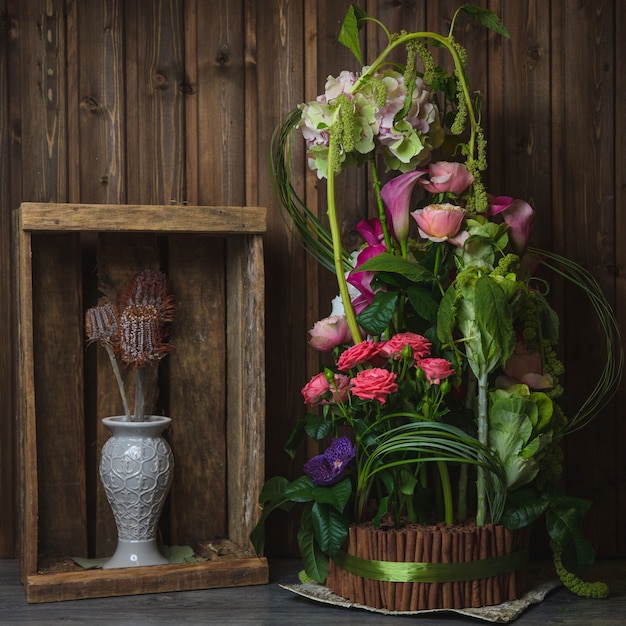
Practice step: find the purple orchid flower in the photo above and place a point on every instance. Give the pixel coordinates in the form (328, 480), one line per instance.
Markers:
(328, 468)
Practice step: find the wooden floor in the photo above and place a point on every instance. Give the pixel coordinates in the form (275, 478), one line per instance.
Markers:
(271, 604)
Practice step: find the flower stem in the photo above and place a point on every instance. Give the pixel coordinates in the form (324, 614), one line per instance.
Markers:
(446, 489)
(483, 437)
(337, 247)
(140, 409)
(118, 378)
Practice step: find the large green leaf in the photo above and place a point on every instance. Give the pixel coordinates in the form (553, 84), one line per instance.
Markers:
(446, 317)
(314, 560)
(336, 495)
(387, 262)
(317, 426)
(565, 527)
(378, 314)
(300, 490)
(331, 527)
(424, 303)
(523, 507)
(493, 314)
(486, 18)
(273, 489)
(349, 33)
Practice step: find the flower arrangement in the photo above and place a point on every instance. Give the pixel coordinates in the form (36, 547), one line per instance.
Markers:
(135, 330)
(442, 401)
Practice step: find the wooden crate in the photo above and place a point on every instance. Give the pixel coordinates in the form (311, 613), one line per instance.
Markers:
(70, 257)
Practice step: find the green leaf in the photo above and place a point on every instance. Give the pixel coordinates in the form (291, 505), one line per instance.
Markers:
(315, 562)
(336, 495)
(423, 302)
(349, 33)
(565, 527)
(273, 489)
(486, 18)
(388, 262)
(331, 527)
(296, 439)
(317, 426)
(300, 490)
(445, 317)
(378, 314)
(383, 507)
(523, 507)
(493, 313)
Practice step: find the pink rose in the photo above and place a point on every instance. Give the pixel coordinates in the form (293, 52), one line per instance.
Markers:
(392, 348)
(439, 222)
(436, 370)
(374, 384)
(361, 352)
(447, 177)
(315, 389)
(525, 366)
(320, 391)
(330, 332)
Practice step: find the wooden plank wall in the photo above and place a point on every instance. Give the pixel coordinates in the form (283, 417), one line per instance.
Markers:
(175, 102)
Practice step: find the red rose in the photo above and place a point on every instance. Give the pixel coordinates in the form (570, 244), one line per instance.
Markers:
(393, 348)
(374, 384)
(359, 353)
(436, 370)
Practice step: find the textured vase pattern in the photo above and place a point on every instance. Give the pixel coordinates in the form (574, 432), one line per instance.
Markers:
(136, 469)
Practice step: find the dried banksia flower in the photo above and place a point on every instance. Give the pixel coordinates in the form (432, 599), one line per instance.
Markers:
(101, 323)
(150, 287)
(142, 337)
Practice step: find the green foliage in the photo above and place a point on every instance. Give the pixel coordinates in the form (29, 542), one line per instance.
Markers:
(349, 33)
(486, 18)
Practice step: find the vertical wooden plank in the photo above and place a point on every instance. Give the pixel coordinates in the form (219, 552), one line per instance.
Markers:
(245, 339)
(154, 97)
(58, 358)
(198, 391)
(620, 254)
(56, 283)
(280, 49)
(585, 165)
(517, 111)
(25, 408)
(8, 458)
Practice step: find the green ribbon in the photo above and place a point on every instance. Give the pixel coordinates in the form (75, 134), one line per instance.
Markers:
(399, 572)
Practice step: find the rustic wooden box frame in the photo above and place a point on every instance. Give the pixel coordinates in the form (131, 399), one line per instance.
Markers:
(242, 228)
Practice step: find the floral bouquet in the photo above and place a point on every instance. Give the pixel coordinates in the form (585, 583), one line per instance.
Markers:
(442, 402)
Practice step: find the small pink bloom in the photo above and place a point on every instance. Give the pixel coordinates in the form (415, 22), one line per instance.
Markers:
(339, 389)
(439, 222)
(314, 391)
(374, 384)
(392, 348)
(436, 370)
(330, 332)
(362, 280)
(357, 354)
(525, 366)
(447, 177)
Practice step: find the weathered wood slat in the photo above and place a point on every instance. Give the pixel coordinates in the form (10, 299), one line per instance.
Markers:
(142, 218)
(58, 586)
(198, 393)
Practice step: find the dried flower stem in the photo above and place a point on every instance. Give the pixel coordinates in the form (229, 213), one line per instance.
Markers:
(118, 378)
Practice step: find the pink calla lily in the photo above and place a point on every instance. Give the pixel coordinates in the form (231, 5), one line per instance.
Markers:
(371, 230)
(396, 195)
(518, 215)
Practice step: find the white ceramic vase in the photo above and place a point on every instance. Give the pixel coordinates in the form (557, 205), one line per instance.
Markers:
(136, 469)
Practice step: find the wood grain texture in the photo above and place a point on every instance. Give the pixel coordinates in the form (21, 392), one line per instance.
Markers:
(176, 102)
